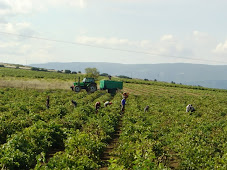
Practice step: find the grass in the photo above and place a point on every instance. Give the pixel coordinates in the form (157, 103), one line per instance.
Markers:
(35, 83)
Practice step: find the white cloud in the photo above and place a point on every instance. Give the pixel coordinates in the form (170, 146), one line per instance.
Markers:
(168, 48)
(221, 49)
(136, 1)
(104, 41)
(8, 44)
(8, 31)
(168, 45)
(168, 37)
(15, 27)
(199, 34)
(15, 7)
(201, 44)
(26, 52)
(69, 3)
(201, 37)
(15, 49)
(197, 48)
(40, 56)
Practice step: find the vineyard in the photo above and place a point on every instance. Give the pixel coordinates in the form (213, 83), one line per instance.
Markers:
(67, 137)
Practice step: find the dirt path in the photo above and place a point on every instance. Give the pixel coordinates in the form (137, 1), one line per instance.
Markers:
(107, 152)
(51, 153)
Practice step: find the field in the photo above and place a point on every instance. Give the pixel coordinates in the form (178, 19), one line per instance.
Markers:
(67, 137)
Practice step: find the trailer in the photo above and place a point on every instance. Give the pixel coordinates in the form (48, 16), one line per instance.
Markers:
(111, 86)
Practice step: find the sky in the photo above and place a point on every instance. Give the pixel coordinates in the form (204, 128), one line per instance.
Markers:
(117, 31)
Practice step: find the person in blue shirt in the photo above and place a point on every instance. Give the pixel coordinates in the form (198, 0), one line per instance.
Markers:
(123, 102)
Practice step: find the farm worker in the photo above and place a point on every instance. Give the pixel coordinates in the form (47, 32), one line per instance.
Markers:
(107, 103)
(123, 102)
(125, 95)
(48, 102)
(146, 109)
(109, 77)
(74, 103)
(72, 87)
(97, 106)
(190, 108)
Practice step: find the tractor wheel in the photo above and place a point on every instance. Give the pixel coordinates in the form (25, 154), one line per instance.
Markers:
(92, 88)
(77, 88)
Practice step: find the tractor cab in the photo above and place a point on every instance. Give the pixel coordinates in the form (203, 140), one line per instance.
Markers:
(88, 80)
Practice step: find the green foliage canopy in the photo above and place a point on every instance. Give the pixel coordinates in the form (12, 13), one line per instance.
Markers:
(92, 72)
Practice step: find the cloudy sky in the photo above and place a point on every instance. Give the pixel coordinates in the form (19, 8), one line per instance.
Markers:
(119, 31)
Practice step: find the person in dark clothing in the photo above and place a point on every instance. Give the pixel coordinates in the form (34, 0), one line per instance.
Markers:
(97, 106)
(146, 109)
(74, 103)
(48, 102)
(72, 87)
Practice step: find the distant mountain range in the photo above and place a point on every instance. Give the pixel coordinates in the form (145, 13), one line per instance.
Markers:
(213, 76)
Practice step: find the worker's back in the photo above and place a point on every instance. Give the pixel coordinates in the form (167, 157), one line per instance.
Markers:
(107, 103)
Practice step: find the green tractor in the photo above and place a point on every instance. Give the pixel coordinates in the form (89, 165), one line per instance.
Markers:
(88, 84)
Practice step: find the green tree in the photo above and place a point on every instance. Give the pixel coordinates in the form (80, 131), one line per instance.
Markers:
(125, 77)
(35, 69)
(92, 72)
(68, 71)
(104, 74)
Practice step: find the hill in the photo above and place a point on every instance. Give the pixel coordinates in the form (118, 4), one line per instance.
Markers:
(213, 76)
